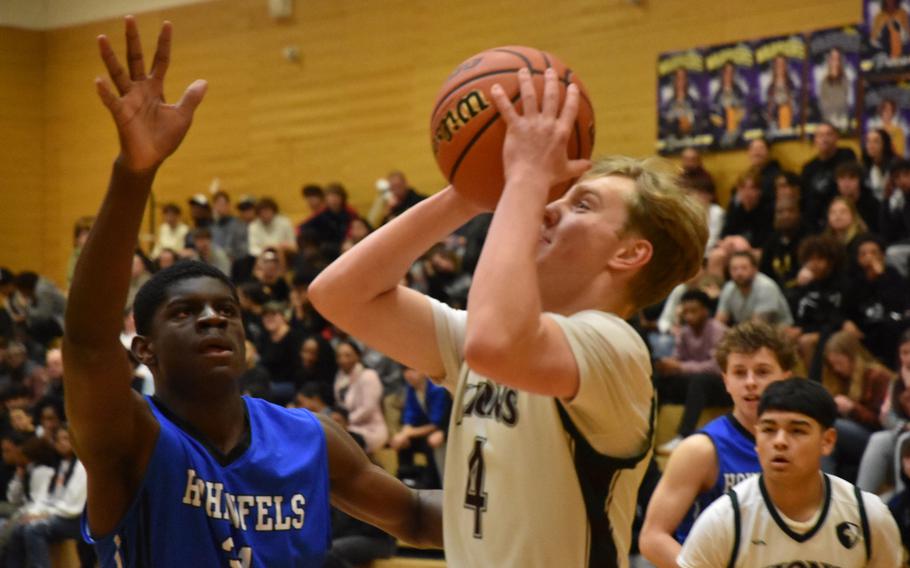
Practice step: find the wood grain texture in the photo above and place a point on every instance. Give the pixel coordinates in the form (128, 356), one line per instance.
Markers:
(355, 106)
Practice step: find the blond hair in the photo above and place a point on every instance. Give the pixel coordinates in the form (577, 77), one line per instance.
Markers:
(749, 337)
(664, 215)
(846, 343)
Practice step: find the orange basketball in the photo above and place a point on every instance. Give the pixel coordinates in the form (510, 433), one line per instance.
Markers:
(467, 131)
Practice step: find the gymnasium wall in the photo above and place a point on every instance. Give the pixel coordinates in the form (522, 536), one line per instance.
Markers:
(355, 106)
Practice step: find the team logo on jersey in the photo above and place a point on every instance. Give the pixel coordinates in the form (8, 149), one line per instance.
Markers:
(489, 400)
(848, 534)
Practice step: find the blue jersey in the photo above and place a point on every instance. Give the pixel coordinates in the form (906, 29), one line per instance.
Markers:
(266, 506)
(736, 461)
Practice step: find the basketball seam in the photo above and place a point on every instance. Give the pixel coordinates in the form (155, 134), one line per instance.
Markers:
(444, 98)
(474, 139)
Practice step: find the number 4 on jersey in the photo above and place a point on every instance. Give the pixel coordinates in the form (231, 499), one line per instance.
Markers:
(475, 497)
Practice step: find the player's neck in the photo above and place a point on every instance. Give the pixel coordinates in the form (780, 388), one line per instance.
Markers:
(220, 420)
(747, 422)
(797, 498)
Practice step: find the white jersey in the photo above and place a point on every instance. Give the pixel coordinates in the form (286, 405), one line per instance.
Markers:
(744, 529)
(528, 480)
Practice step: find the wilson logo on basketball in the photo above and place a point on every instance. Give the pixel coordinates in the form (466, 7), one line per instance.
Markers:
(460, 115)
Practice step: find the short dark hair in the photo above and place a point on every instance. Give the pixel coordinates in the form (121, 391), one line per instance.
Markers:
(172, 207)
(696, 296)
(26, 281)
(822, 246)
(153, 293)
(312, 190)
(744, 254)
(791, 178)
(311, 389)
(868, 238)
(266, 203)
(802, 396)
(221, 194)
(748, 337)
(202, 233)
(849, 169)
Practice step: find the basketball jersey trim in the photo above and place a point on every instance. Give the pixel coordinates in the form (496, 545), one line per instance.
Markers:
(742, 429)
(783, 525)
(737, 527)
(863, 521)
(597, 474)
(224, 460)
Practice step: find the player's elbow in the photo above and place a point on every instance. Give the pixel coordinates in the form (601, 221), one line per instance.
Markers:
(485, 354)
(652, 544)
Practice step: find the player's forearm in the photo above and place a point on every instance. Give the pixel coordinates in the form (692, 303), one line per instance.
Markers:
(426, 530)
(420, 431)
(377, 264)
(504, 305)
(661, 549)
(94, 312)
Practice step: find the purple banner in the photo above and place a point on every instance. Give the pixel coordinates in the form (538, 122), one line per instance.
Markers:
(781, 61)
(732, 89)
(887, 45)
(886, 106)
(833, 72)
(681, 101)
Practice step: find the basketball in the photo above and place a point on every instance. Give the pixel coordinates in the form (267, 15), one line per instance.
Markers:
(468, 132)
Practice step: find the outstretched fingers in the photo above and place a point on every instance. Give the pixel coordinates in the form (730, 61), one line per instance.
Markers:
(528, 94)
(570, 108)
(550, 93)
(192, 96)
(503, 104)
(134, 58)
(110, 100)
(114, 70)
(162, 53)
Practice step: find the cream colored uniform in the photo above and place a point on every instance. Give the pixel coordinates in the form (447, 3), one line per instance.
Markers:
(513, 496)
(845, 532)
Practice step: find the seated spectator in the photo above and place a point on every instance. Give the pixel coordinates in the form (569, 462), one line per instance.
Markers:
(878, 155)
(208, 252)
(749, 216)
(32, 458)
(359, 391)
(279, 352)
(53, 372)
(662, 335)
(270, 229)
(55, 518)
(255, 381)
(318, 366)
(166, 259)
(693, 170)
(817, 301)
(172, 232)
(141, 271)
(895, 217)
(692, 376)
(17, 370)
(701, 190)
(50, 420)
(424, 423)
(356, 543)
(875, 468)
(81, 230)
(844, 222)
(787, 185)
(751, 295)
(304, 316)
(878, 298)
(228, 232)
(251, 299)
(39, 307)
(315, 199)
(330, 226)
(819, 183)
(242, 267)
(269, 273)
(358, 230)
(779, 258)
(22, 422)
(850, 186)
(445, 282)
(201, 215)
(766, 167)
(858, 384)
(401, 196)
(310, 396)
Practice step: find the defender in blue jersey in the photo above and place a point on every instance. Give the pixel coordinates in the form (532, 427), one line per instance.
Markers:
(751, 355)
(197, 475)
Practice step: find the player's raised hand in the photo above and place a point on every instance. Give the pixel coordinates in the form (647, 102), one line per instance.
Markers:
(537, 139)
(149, 129)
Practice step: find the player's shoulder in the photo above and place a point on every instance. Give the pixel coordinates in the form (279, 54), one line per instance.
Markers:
(845, 491)
(693, 461)
(604, 325)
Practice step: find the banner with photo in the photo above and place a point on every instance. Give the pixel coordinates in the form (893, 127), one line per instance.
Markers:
(887, 45)
(781, 62)
(834, 56)
(681, 102)
(733, 107)
(886, 106)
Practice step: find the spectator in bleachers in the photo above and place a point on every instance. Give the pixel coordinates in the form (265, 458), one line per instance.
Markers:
(878, 298)
(787, 185)
(17, 369)
(330, 226)
(81, 230)
(766, 168)
(858, 384)
(208, 252)
(693, 170)
(270, 229)
(691, 376)
(424, 422)
(357, 231)
(200, 214)
(55, 518)
(819, 184)
(7, 287)
(876, 467)
(359, 391)
(228, 232)
(255, 380)
(844, 222)
(32, 458)
(817, 301)
(401, 196)
(315, 199)
(279, 351)
(704, 193)
(318, 366)
(895, 217)
(50, 419)
(850, 186)
(251, 299)
(749, 216)
(751, 295)
(166, 258)
(242, 268)
(310, 396)
(878, 156)
(779, 258)
(899, 505)
(356, 543)
(172, 231)
(269, 273)
(304, 316)
(445, 282)
(53, 371)
(141, 270)
(39, 307)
